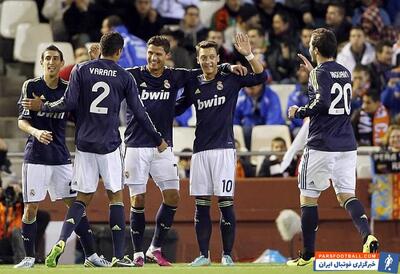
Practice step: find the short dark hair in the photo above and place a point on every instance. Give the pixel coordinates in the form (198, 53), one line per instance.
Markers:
(357, 27)
(284, 16)
(381, 44)
(206, 45)
(110, 43)
(341, 8)
(114, 21)
(160, 41)
(325, 41)
(191, 7)
(279, 139)
(373, 94)
(360, 67)
(53, 48)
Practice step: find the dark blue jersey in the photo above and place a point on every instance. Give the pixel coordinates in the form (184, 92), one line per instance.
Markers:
(55, 153)
(215, 103)
(95, 92)
(329, 109)
(158, 95)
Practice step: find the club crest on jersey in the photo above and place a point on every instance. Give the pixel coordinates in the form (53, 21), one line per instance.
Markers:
(213, 102)
(126, 174)
(220, 86)
(166, 84)
(32, 192)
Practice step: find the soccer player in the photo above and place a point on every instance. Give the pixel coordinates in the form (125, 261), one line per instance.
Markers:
(212, 171)
(331, 151)
(95, 92)
(158, 87)
(47, 164)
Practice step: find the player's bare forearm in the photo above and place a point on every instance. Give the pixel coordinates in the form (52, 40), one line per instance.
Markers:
(43, 136)
(26, 127)
(256, 65)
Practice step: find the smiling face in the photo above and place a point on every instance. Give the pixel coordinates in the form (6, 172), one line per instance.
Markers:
(208, 60)
(51, 63)
(394, 140)
(156, 57)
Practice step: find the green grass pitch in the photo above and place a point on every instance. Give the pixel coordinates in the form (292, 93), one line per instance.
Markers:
(245, 268)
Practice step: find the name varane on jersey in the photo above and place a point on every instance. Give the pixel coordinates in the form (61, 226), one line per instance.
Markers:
(329, 92)
(55, 153)
(215, 103)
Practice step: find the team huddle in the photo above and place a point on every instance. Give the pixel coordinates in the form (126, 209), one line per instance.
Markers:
(92, 99)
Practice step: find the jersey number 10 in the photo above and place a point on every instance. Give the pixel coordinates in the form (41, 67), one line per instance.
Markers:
(106, 90)
(342, 92)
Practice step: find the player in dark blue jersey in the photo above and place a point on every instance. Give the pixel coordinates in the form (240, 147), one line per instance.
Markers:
(95, 92)
(47, 164)
(158, 88)
(214, 95)
(331, 151)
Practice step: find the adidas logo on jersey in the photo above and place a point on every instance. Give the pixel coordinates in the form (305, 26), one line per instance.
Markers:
(116, 227)
(71, 221)
(163, 95)
(216, 101)
(197, 91)
(143, 85)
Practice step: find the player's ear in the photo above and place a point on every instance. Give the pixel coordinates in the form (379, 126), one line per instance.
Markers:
(62, 63)
(217, 58)
(198, 60)
(168, 55)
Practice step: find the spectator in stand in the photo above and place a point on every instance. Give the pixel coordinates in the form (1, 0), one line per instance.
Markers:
(304, 44)
(299, 98)
(392, 139)
(53, 10)
(336, 21)
(257, 105)
(267, 9)
(371, 122)
(179, 56)
(227, 15)
(359, 11)
(357, 51)
(193, 30)
(184, 164)
(361, 84)
(244, 168)
(225, 56)
(172, 11)
(81, 55)
(135, 49)
(81, 22)
(142, 20)
(282, 57)
(5, 163)
(271, 166)
(382, 65)
(391, 94)
(374, 28)
(396, 52)
(393, 9)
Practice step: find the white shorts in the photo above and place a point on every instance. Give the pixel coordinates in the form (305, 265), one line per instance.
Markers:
(88, 167)
(319, 168)
(142, 161)
(37, 180)
(212, 172)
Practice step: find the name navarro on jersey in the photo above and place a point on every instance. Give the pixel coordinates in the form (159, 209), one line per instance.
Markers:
(162, 95)
(54, 115)
(216, 101)
(339, 74)
(103, 72)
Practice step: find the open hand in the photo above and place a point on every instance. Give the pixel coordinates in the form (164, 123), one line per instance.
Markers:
(242, 44)
(43, 136)
(306, 64)
(34, 104)
(239, 70)
(292, 111)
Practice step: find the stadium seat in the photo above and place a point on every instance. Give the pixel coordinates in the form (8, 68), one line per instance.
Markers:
(65, 47)
(183, 137)
(28, 38)
(283, 92)
(364, 162)
(15, 12)
(207, 9)
(261, 139)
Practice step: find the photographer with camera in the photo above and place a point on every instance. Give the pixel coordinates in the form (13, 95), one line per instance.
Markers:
(11, 210)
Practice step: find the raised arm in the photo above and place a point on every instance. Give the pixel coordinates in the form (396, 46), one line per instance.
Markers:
(242, 45)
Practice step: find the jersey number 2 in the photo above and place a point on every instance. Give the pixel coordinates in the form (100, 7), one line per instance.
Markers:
(93, 106)
(342, 92)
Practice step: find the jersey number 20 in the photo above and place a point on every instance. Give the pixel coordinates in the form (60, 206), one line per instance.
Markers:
(106, 90)
(342, 92)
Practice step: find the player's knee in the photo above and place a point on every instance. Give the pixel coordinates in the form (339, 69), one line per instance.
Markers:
(171, 197)
(30, 212)
(69, 201)
(138, 200)
(115, 197)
